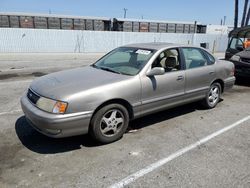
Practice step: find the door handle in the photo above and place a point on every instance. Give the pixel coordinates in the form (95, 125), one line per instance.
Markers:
(180, 78)
(212, 72)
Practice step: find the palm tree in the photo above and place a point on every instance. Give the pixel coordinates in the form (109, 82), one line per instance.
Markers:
(248, 16)
(243, 21)
(236, 10)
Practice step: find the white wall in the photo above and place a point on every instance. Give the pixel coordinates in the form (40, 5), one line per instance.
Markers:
(218, 29)
(40, 40)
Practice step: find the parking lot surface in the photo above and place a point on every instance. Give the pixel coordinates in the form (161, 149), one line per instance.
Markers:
(24, 65)
(29, 159)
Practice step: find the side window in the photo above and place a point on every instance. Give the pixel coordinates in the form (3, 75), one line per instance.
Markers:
(194, 58)
(157, 61)
(169, 60)
(235, 42)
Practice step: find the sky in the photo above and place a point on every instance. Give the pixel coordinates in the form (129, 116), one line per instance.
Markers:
(204, 11)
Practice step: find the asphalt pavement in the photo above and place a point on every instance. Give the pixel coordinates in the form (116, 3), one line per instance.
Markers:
(186, 146)
(22, 65)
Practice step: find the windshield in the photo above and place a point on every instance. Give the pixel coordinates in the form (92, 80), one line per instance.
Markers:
(125, 60)
(236, 42)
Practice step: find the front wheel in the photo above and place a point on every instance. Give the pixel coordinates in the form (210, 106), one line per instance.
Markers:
(109, 123)
(213, 96)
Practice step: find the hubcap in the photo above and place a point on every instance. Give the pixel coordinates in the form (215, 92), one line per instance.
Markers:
(112, 122)
(213, 96)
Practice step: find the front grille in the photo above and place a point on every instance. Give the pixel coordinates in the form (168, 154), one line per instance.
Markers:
(32, 96)
(245, 60)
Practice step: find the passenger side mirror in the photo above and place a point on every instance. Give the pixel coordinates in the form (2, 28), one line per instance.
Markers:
(156, 71)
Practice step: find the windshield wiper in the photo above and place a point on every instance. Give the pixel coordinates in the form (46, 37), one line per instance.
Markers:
(109, 69)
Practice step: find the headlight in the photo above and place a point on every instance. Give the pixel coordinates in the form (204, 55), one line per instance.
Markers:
(52, 106)
(235, 58)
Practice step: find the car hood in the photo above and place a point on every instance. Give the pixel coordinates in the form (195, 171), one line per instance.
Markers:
(61, 85)
(244, 54)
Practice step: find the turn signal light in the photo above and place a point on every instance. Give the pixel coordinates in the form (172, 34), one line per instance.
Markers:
(60, 108)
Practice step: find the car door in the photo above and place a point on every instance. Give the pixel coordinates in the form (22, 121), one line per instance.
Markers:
(199, 72)
(163, 91)
(235, 46)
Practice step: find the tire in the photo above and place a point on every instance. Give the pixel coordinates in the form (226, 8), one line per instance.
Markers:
(212, 96)
(109, 123)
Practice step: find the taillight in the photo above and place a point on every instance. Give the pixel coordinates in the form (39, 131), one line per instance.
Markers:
(232, 71)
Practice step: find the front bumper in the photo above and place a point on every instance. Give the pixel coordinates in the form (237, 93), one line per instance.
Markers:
(55, 125)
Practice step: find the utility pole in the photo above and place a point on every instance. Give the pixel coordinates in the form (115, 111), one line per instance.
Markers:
(125, 12)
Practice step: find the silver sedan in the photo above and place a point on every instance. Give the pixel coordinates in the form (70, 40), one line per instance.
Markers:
(129, 82)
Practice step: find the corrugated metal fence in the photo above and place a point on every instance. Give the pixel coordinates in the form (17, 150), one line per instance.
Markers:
(40, 40)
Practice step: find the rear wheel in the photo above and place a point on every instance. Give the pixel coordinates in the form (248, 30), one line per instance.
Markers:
(109, 123)
(213, 96)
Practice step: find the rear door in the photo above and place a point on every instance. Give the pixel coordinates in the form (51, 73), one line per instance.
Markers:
(200, 72)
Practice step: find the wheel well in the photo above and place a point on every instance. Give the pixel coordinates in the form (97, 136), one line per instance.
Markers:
(123, 102)
(221, 84)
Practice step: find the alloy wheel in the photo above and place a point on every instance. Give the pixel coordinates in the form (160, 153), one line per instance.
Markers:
(112, 122)
(214, 94)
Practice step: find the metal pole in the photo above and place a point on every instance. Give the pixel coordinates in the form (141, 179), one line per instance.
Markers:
(195, 27)
(214, 45)
(224, 21)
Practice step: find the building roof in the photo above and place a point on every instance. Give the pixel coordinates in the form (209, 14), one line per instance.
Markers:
(53, 15)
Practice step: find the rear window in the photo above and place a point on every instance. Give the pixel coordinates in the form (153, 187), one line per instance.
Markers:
(211, 59)
(194, 58)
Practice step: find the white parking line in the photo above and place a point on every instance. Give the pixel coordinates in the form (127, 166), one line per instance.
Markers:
(175, 155)
(10, 112)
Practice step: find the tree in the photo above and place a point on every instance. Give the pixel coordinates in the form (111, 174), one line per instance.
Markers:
(243, 21)
(236, 11)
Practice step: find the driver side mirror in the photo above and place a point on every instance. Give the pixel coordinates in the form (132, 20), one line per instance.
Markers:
(156, 71)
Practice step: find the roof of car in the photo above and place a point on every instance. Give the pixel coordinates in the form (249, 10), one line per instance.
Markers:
(161, 45)
(153, 45)
(242, 32)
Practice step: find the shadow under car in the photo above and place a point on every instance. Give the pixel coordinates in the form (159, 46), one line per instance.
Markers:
(42, 144)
